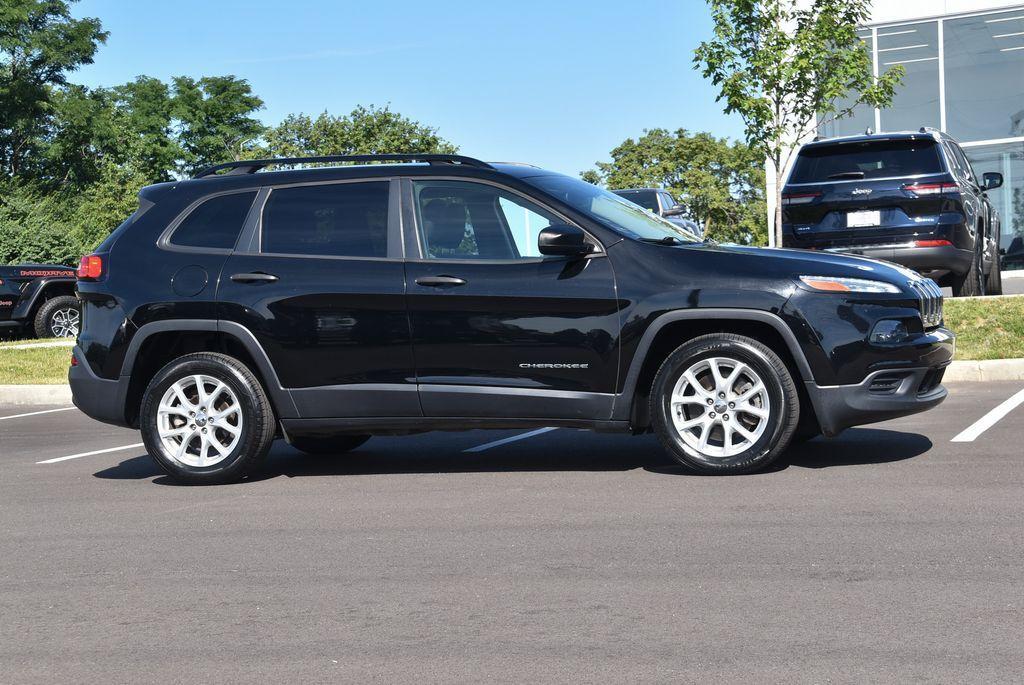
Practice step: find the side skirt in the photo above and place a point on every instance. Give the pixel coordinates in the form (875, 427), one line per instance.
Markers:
(410, 425)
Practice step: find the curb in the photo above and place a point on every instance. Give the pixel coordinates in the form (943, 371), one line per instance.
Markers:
(35, 394)
(988, 370)
(1016, 273)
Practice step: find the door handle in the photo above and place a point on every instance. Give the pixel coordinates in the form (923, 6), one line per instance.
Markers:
(257, 277)
(440, 281)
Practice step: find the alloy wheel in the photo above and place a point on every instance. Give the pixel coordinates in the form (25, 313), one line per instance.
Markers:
(199, 421)
(64, 323)
(720, 407)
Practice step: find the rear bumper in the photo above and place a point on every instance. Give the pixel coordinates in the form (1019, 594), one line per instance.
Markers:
(922, 259)
(98, 398)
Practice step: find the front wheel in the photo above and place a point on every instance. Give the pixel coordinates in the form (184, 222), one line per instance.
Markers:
(206, 419)
(994, 281)
(724, 404)
(972, 283)
(59, 317)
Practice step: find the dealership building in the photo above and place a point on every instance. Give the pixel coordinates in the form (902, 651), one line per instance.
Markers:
(964, 63)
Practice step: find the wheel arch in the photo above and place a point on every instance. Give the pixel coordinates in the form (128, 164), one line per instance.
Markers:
(673, 329)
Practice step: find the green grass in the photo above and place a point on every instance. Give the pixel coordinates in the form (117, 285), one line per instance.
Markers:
(987, 328)
(11, 343)
(45, 365)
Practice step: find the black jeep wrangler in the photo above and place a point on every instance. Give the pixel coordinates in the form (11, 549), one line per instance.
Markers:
(909, 197)
(39, 299)
(330, 304)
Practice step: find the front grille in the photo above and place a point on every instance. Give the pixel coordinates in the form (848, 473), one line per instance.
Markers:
(930, 297)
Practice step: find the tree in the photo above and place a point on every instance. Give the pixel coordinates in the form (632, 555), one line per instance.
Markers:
(364, 131)
(721, 184)
(214, 120)
(782, 65)
(39, 44)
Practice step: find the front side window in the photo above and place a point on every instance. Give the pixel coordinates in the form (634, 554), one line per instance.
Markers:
(459, 220)
(215, 223)
(330, 220)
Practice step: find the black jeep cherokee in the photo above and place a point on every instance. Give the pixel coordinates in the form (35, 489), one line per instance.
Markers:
(910, 198)
(330, 304)
(40, 299)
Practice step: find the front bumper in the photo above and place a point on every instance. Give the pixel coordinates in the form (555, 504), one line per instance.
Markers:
(98, 398)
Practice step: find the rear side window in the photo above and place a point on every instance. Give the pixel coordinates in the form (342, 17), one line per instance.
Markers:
(866, 160)
(337, 220)
(215, 223)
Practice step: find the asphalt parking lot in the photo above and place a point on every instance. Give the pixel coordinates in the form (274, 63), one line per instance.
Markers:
(888, 554)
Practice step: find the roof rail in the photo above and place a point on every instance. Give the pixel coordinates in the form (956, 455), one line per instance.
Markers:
(928, 129)
(251, 166)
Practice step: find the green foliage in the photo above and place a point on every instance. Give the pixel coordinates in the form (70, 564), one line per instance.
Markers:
(364, 131)
(39, 44)
(782, 64)
(721, 184)
(35, 226)
(214, 120)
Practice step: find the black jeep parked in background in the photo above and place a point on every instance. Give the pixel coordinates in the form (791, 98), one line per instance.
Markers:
(910, 198)
(330, 304)
(38, 299)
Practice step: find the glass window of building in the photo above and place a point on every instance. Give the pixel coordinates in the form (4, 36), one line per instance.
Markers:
(862, 117)
(915, 47)
(1007, 159)
(984, 65)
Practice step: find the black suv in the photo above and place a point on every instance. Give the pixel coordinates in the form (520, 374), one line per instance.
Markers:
(40, 299)
(661, 203)
(910, 198)
(330, 304)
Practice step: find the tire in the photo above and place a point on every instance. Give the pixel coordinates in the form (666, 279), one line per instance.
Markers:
(972, 283)
(767, 432)
(337, 444)
(213, 453)
(58, 318)
(994, 281)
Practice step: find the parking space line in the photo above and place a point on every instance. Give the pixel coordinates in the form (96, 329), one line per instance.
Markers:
(990, 419)
(35, 413)
(514, 438)
(89, 454)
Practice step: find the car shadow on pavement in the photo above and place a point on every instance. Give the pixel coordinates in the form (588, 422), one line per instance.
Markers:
(856, 446)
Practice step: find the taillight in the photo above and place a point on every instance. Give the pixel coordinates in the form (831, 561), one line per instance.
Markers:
(922, 189)
(799, 198)
(74, 360)
(932, 243)
(91, 267)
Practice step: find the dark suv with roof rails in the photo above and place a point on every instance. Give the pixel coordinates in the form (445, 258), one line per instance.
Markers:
(330, 304)
(909, 197)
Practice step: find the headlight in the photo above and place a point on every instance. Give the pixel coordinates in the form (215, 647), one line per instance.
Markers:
(836, 284)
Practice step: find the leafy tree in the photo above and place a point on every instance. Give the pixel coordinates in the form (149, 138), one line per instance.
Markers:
(364, 131)
(782, 65)
(141, 130)
(35, 225)
(720, 184)
(214, 120)
(39, 44)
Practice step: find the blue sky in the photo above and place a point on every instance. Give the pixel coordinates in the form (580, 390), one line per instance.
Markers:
(555, 83)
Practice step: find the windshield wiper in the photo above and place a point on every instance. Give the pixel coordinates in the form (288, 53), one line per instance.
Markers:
(848, 174)
(667, 240)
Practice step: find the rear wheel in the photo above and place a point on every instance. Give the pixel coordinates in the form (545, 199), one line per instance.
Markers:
(724, 404)
(994, 281)
(337, 444)
(59, 317)
(206, 419)
(972, 283)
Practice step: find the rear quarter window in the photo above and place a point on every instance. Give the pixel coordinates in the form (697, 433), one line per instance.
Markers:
(866, 160)
(215, 223)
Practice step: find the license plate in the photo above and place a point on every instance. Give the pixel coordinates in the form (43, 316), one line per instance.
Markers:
(862, 219)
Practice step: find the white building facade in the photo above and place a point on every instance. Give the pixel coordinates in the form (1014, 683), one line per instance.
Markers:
(964, 62)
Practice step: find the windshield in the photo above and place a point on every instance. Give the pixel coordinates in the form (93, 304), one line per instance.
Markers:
(610, 209)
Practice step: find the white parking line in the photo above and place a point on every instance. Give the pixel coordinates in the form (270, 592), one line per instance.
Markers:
(89, 454)
(505, 441)
(35, 413)
(990, 419)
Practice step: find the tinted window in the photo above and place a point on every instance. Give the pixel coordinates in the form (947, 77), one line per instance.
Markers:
(216, 223)
(872, 159)
(338, 219)
(475, 221)
(648, 199)
(668, 201)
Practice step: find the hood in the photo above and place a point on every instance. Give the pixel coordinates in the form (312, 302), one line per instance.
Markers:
(31, 271)
(813, 263)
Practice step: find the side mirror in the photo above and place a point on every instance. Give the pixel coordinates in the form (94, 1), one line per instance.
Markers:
(563, 240)
(990, 180)
(677, 210)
